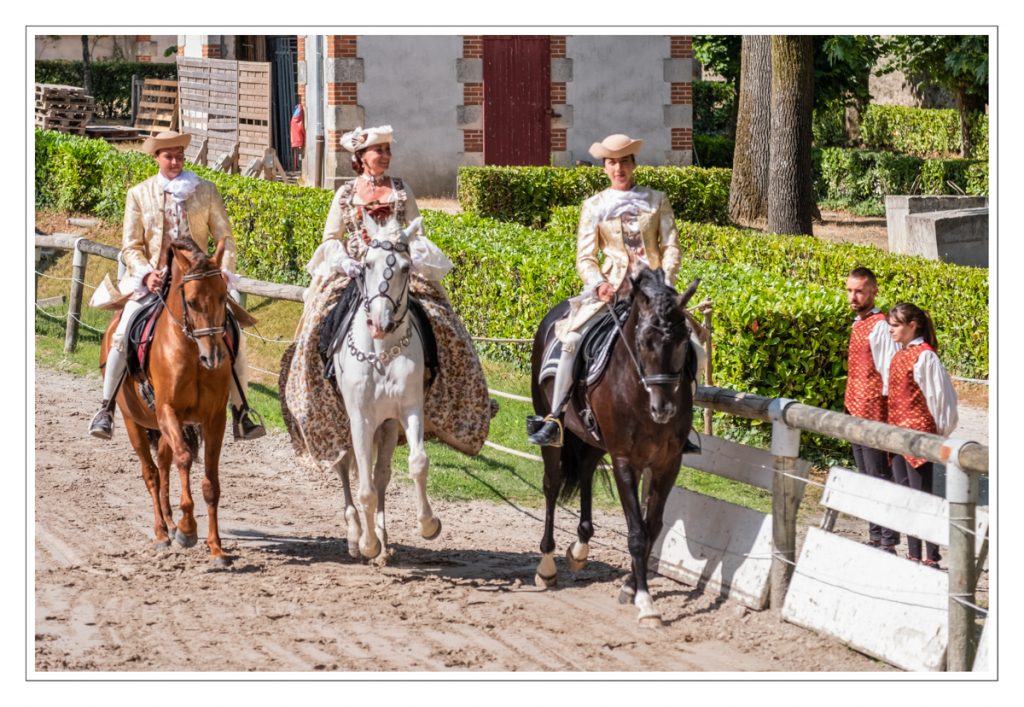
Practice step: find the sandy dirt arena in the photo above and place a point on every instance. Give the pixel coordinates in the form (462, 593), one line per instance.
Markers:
(294, 600)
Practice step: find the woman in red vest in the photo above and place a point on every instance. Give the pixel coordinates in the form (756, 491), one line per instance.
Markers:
(921, 397)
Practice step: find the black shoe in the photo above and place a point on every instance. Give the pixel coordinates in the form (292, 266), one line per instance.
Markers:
(549, 435)
(243, 426)
(102, 424)
(690, 448)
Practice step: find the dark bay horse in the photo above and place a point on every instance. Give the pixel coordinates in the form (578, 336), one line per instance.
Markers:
(643, 407)
(190, 373)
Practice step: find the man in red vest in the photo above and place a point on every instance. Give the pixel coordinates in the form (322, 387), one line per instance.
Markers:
(870, 351)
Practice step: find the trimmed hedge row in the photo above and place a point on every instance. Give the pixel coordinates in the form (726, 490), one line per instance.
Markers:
(713, 150)
(526, 195)
(960, 314)
(111, 80)
(860, 179)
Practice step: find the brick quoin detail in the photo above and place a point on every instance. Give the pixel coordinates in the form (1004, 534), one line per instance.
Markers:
(559, 139)
(558, 93)
(211, 51)
(145, 59)
(472, 140)
(341, 46)
(682, 138)
(472, 46)
(342, 94)
(682, 47)
(301, 90)
(682, 93)
(557, 44)
(472, 94)
(143, 38)
(300, 46)
(333, 141)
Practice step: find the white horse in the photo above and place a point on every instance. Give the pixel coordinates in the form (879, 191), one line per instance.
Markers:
(380, 372)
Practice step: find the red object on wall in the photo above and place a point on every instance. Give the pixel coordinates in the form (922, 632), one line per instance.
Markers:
(298, 129)
(517, 100)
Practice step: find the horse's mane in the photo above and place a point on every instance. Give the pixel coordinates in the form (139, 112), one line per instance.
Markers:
(201, 260)
(667, 316)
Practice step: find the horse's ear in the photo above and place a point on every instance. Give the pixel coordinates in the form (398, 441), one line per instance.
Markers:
(682, 299)
(416, 225)
(218, 255)
(182, 251)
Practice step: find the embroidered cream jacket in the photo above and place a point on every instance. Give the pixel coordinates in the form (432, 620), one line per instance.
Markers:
(144, 228)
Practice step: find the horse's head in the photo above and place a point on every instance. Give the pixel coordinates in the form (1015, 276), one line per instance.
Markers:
(386, 275)
(204, 294)
(662, 337)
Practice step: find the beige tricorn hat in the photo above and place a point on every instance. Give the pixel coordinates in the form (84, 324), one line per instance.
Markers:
(361, 138)
(165, 140)
(615, 146)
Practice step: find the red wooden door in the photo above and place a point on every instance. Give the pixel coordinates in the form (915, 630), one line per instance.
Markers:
(517, 100)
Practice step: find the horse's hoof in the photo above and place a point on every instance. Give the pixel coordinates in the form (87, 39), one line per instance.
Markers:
(574, 564)
(371, 552)
(545, 582)
(162, 545)
(626, 595)
(433, 535)
(185, 540)
(353, 549)
(221, 561)
(652, 621)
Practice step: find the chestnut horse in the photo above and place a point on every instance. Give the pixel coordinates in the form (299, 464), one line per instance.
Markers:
(190, 373)
(643, 407)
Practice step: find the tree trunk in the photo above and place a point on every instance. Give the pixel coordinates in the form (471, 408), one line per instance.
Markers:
(748, 192)
(86, 66)
(791, 191)
(966, 146)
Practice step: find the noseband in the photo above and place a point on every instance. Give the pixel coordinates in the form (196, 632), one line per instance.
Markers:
(385, 286)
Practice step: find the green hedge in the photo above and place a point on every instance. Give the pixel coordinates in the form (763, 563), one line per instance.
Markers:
(713, 151)
(111, 80)
(860, 179)
(713, 104)
(924, 132)
(526, 195)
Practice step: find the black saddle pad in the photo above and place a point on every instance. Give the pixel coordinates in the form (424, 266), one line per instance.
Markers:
(334, 328)
(594, 348)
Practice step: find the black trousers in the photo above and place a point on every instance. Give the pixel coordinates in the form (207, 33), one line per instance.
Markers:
(920, 479)
(874, 462)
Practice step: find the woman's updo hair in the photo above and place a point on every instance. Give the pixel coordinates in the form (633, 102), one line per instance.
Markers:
(905, 313)
(357, 161)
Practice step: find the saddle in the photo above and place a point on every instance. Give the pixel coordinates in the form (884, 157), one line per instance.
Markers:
(334, 328)
(594, 349)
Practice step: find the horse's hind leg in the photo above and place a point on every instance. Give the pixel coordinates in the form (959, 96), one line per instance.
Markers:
(547, 571)
(213, 431)
(173, 436)
(151, 476)
(387, 440)
(430, 525)
(577, 552)
(352, 526)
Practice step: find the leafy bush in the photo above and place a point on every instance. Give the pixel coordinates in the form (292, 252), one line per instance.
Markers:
(526, 195)
(713, 151)
(111, 80)
(713, 105)
(923, 132)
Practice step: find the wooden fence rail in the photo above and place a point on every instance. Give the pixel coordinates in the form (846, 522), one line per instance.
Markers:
(965, 460)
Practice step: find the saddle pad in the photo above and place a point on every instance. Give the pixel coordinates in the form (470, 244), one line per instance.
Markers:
(594, 349)
(140, 333)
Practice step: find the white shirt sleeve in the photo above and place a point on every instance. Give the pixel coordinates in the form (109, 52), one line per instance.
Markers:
(412, 211)
(938, 391)
(883, 348)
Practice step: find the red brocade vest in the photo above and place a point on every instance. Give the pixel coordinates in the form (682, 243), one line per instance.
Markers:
(907, 406)
(864, 381)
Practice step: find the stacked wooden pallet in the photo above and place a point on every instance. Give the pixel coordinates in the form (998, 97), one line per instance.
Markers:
(158, 106)
(64, 108)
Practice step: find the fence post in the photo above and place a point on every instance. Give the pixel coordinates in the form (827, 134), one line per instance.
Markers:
(708, 413)
(962, 497)
(786, 493)
(75, 297)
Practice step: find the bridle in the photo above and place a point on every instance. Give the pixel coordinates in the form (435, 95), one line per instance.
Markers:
(186, 323)
(673, 379)
(383, 290)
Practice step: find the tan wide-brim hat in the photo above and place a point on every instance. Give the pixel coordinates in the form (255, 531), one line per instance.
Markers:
(615, 146)
(361, 138)
(165, 140)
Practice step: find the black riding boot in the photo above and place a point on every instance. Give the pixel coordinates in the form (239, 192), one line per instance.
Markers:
(243, 426)
(102, 424)
(548, 434)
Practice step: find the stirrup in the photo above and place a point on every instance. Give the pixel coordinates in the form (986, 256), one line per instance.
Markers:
(689, 447)
(551, 434)
(243, 427)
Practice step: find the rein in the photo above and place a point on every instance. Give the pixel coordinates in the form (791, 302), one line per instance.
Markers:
(186, 324)
(645, 380)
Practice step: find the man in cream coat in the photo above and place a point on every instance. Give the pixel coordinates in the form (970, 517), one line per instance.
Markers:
(173, 203)
(634, 227)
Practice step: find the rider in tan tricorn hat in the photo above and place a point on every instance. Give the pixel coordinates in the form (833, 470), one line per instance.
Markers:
(615, 146)
(165, 140)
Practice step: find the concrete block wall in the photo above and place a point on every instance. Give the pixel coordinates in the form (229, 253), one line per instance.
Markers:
(949, 228)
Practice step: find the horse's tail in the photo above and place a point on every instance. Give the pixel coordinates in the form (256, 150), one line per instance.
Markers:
(573, 451)
(193, 438)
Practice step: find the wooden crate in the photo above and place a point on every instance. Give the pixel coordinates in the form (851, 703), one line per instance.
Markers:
(64, 108)
(158, 106)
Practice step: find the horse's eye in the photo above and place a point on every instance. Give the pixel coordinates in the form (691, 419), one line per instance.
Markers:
(194, 304)
(405, 268)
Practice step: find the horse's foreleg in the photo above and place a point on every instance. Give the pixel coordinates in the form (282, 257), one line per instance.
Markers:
(638, 543)
(576, 554)
(387, 440)
(151, 476)
(366, 495)
(174, 437)
(352, 526)
(430, 525)
(213, 430)
(547, 571)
